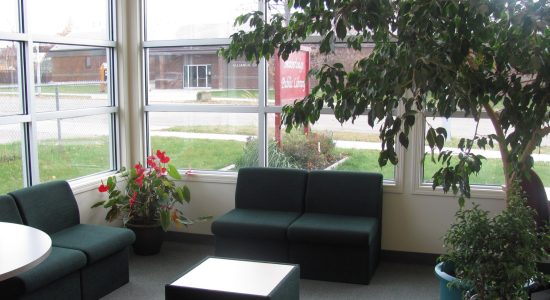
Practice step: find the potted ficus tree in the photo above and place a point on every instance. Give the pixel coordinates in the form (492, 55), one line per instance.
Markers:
(430, 58)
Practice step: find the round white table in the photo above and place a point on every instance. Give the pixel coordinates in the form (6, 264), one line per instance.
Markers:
(21, 248)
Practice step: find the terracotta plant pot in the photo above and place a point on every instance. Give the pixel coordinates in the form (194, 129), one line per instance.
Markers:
(149, 238)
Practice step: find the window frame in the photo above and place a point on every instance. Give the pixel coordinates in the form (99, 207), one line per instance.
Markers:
(420, 187)
(28, 117)
(262, 109)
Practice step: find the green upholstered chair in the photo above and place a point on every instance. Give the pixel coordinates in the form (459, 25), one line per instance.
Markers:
(52, 208)
(57, 277)
(267, 201)
(339, 235)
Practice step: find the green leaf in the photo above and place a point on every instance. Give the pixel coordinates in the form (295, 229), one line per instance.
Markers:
(441, 131)
(341, 30)
(112, 214)
(186, 194)
(461, 201)
(98, 204)
(440, 142)
(403, 139)
(430, 137)
(165, 219)
(173, 172)
(179, 195)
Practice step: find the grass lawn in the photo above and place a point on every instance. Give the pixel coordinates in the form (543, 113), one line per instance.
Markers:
(72, 89)
(79, 157)
(199, 153)
(491, 172)
(364, 160)
(74, 158)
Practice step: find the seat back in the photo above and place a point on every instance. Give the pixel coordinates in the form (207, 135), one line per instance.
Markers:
(271, 188)
(344, 193)
(49, 206)
(8, 210)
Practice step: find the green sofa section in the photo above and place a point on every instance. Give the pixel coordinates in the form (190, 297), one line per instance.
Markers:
(267, 201)
(328, 222)
(338, 238)
(86, 261)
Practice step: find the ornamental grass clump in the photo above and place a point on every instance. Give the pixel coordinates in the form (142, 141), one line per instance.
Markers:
(149, 197)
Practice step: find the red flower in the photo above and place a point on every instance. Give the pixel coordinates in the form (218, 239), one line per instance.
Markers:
(139, 180)
(139, 169)
(151, 161)
(133, 199)
(162, 156)
(161, 172)
(103, 188)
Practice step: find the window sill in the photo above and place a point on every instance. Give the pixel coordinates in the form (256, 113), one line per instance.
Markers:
(477, 191)
(86, 184)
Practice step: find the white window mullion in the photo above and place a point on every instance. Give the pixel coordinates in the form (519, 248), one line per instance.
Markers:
(262, 117)
(30, 136)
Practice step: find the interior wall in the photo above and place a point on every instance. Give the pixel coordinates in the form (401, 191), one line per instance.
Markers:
(411, 222)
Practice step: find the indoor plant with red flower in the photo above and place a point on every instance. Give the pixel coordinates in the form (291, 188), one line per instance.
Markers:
(148, 202)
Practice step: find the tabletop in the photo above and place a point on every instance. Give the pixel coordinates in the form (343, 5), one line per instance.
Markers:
(237, 276)
(21, 248)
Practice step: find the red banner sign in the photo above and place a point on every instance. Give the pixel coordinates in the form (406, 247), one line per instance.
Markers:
(290, 83)
(291, 78)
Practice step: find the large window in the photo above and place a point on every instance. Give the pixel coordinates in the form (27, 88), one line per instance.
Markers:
(492, 173)
(219, 116)
(57, 93)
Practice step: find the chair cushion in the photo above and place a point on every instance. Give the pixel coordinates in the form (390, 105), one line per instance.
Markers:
(333, 229)
(252, 223)
(8, 210)
(95, 241)
(58, 264)
(344, 193)
(271, 189)
(49, 206)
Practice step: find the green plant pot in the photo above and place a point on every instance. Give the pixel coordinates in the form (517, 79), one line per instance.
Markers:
(149, 238)
(446, 293)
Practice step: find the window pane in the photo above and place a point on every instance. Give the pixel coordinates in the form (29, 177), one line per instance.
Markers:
(10, 90)
(204, 141)
(11, 172)
(71, 77)
(197, 75)
(75, 147)
(457, 128)
(541, 156)
(188, 19)
(70, 18)
(491, 171)
(288, 79)
(9, 16)
(328, 145)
